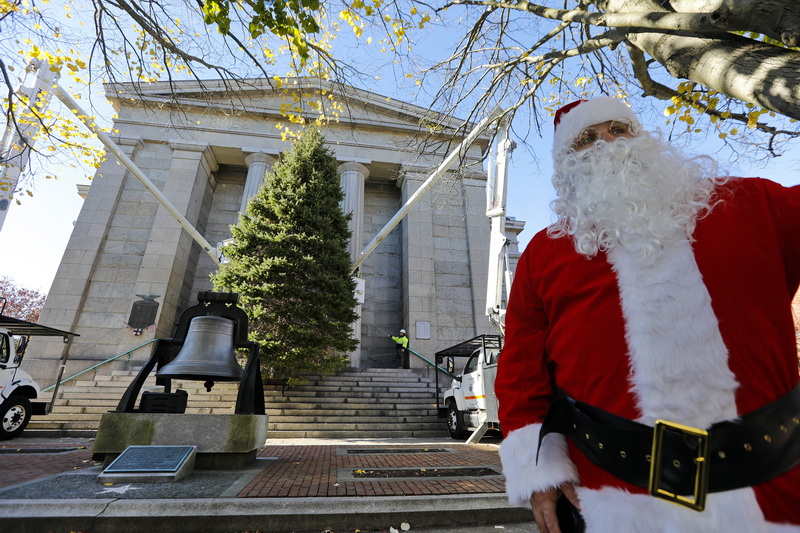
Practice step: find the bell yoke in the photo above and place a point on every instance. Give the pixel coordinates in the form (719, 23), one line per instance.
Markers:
(204, 349)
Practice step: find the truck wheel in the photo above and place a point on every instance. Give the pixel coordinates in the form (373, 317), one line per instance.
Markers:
(14, 416)
(455, 422)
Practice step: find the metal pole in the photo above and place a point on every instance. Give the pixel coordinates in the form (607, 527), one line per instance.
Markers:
(61, 368)
(432, 179)
(16, 142)
(496, 211)
(138, 174)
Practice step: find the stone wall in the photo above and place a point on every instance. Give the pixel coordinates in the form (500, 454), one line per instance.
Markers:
(383, 275)
(427, 276)
(223, 212)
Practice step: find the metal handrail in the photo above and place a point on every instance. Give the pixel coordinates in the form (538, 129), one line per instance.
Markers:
(98, 365)
(437, 367)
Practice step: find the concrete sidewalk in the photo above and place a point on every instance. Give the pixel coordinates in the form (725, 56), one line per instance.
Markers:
(302, 486)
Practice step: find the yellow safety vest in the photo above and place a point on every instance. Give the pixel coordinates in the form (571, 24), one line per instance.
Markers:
(401, 340)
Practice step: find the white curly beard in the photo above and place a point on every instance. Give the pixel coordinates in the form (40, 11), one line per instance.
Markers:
(638, 193)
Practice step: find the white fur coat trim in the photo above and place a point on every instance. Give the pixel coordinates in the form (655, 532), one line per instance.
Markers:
(523, 475)
(611, 510)
(679, 362)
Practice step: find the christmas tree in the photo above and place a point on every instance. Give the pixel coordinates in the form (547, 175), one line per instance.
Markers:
(290, 265)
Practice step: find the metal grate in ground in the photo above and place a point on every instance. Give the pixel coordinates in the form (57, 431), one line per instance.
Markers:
(382, 451)
(37, 450)
(405, 474)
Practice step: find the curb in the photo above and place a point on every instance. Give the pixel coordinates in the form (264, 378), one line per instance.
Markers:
(275, 515)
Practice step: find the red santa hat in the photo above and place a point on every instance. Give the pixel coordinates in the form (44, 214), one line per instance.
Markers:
(576, 116)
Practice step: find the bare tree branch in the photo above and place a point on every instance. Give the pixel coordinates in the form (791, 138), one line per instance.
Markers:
(642, 73)
(653, 20)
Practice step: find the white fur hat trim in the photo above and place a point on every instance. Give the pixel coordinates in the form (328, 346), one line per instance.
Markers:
(588, 113)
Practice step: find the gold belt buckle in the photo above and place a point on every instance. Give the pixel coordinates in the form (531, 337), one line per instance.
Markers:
(698, 499)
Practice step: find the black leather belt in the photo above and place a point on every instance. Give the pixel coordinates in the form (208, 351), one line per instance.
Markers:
(681, 463)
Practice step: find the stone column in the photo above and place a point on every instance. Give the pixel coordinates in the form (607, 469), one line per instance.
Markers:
(478, 238)
(513, 228)
(352, 176)
(168, 259)
(418, 248)
(81, 296)
(257, 165)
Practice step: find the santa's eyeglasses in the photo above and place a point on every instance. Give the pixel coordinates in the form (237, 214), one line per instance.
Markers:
(621, 127)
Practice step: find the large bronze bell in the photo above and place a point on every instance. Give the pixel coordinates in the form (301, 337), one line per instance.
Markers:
(207, 353)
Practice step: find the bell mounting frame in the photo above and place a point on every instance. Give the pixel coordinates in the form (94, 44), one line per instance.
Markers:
(250, 399)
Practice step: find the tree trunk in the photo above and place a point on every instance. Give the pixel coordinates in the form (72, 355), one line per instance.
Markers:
(779, 19)
(752, 71)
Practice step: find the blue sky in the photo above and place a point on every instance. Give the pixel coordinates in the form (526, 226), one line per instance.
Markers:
(35, 233)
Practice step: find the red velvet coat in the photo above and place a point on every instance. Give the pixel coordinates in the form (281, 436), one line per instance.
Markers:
(704, 334)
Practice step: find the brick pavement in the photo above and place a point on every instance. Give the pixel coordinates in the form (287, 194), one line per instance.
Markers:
(314, 486)
(21, 467)
(302, 471)
(325, 471)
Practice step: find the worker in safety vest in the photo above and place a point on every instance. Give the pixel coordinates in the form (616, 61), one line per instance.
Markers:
(402, 348)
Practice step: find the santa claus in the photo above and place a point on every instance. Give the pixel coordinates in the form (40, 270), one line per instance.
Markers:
(653, 323)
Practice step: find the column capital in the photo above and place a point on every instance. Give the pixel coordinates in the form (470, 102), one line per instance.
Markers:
(257, 165)
(259, 157)
(413, 167)
(129, 145)
(193, 150)
(353, 166)
(411, 174)
(188, 146)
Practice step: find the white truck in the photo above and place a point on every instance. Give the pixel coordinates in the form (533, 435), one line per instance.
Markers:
(18, 390)
(470, 402)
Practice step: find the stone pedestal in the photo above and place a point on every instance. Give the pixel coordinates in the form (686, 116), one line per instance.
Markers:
(223, 441)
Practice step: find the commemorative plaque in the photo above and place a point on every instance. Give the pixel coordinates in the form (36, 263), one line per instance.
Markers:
(148, 464)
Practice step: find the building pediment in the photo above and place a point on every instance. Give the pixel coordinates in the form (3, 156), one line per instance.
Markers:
(269, 98)
(251, 113)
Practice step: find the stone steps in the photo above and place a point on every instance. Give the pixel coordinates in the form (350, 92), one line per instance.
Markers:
(111, 398)
(357, 403)
(97, 411)
(286, 421)
(351, 427)
(352, 403)
(382, 434)
(376, 403)
(354, 392)
(355, 384)
(374, 412)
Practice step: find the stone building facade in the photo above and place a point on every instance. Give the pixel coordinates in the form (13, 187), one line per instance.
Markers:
(207, 149)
